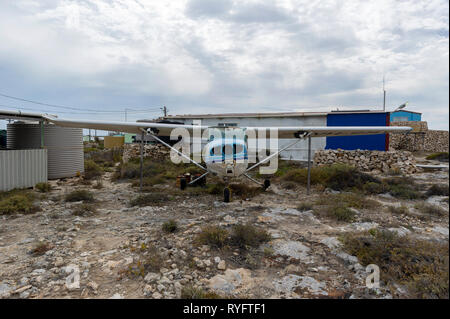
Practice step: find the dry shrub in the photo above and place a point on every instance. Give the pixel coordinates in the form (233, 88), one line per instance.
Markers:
(79, 195)
(437, 190)
(213, 236)
(336, 176)
(430, 210)
(92, 170)
(170, 226)
(40, 248)
(244, 236)
(43, 187)
(84, 210)
(149, 199)
(190, 292)
(17, 201)
(421, 265)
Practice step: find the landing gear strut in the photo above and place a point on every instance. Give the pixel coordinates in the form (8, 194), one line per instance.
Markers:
(227, 195)
(266, 184)
(183, 183)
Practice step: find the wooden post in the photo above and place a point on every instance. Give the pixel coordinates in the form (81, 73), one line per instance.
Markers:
(308, 187)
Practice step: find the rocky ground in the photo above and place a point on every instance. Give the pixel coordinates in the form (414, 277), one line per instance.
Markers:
(304, 259)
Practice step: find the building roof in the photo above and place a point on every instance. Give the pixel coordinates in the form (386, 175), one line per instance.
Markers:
(263, 115)
(406, 111)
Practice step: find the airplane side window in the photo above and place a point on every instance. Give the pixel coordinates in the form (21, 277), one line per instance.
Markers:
(216, 150)
(227, 149)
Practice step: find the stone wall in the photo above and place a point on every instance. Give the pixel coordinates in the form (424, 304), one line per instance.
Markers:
(369, 160)
(419, 139)
(154, 151)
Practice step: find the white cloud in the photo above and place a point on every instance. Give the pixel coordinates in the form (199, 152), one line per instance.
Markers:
(216, 56)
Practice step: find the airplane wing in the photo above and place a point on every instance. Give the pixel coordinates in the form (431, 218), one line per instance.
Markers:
(161, 129)
(320, 131)
(164, 129)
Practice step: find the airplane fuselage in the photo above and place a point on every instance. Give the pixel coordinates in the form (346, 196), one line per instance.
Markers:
(226, 158)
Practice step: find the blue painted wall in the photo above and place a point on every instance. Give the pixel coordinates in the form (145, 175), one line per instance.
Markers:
(364, 142)
(405, 114)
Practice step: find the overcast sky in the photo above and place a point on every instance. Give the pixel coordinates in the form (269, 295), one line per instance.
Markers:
(216, 56)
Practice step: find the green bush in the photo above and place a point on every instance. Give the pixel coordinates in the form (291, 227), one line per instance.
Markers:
(79, 195)
(43, 187)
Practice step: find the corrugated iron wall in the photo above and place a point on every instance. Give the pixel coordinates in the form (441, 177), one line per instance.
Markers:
(22, 168)
(65, 146)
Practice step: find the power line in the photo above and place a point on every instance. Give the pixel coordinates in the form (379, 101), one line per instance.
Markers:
(63, 112)
(70, 107)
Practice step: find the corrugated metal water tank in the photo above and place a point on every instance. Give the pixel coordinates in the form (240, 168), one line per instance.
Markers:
(64, 145)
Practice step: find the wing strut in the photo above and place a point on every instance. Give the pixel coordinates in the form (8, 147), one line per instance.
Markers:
(175, 150)
(306, 134)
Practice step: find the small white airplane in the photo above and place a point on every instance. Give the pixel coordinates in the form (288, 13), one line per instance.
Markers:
(225, 158)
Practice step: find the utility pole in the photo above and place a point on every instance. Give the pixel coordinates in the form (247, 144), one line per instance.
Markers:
(164, 109)
(384, 97)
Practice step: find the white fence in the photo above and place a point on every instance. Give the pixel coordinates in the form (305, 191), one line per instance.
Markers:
(22, 168)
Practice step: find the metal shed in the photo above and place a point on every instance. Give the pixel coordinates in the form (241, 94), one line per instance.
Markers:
(379, 142)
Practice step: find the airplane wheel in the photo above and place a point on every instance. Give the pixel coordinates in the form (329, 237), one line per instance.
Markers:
(226, 194)
(183, 183)
(266, 184)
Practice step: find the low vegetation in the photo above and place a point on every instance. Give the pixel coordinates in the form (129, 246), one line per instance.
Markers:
(149, 260)
(244, 236)
(305, 206)
(17, 201)
(398, 210)
(84, 210)
(150, 199)
(92, 170)
(241, 236)
(437, 190)
(402, 187)
(421, 266)
(43, 187)
(430, 210)
(154, 171)
(170, 226)
(41, 248)
(440, 156)
(339, 206)
(336, 176)
(213, 236)
(191, 292)
(79, 195)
